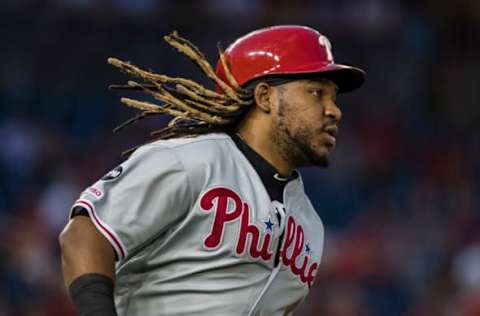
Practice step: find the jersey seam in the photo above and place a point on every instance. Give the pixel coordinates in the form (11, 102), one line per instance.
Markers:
(147, 242)
(189, 189)
(196, 140)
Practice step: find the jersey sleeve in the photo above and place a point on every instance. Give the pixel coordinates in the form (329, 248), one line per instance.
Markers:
(139, 199)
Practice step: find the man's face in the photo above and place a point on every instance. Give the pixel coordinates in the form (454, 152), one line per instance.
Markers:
(305, 119)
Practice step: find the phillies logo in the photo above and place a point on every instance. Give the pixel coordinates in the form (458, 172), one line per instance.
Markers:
(217, 200)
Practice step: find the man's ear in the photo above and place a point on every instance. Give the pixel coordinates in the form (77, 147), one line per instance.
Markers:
(263, 96)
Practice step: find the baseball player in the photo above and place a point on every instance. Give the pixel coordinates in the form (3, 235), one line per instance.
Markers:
(211, 217)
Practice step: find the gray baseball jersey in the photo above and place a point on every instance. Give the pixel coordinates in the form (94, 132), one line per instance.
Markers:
(196, 232)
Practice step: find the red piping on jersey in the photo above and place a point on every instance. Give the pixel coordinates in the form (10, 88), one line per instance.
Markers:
(92, 209)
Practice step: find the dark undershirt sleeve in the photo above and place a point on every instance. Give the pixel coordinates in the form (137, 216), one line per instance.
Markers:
(92, 295)
(78, 210)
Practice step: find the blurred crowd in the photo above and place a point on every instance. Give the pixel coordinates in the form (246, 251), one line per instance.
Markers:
(400, 201)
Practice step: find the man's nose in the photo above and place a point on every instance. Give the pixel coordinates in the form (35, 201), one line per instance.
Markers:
(333, 111)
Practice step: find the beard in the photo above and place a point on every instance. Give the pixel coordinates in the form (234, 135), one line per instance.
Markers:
(309, 156)
(296, 146)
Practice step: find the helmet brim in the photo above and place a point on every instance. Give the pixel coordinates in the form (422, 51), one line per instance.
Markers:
(347, 78)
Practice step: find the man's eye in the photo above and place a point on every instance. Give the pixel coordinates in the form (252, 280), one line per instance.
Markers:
(317, 92)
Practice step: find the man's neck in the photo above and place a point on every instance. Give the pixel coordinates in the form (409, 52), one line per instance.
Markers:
(265, 148)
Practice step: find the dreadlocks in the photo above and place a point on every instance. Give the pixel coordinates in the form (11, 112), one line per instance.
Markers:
(195, 109)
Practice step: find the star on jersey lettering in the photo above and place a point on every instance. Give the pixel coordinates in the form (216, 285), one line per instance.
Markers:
(269, 225)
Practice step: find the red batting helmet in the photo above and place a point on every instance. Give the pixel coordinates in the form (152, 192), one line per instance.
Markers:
(287, 50)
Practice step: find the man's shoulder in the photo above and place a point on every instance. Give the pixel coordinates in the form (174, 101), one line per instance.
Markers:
(190, 150)
(203, 158)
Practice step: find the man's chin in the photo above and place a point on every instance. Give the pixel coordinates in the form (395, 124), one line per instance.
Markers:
(318, 159)
(321, 161)
(312, 155)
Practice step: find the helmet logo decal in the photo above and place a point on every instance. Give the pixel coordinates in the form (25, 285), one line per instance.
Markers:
(323, 40)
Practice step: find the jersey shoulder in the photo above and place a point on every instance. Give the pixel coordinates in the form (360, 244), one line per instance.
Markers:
(204, 158)
(193, 151)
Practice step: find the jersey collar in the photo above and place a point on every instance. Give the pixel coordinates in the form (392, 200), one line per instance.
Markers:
(272, 180)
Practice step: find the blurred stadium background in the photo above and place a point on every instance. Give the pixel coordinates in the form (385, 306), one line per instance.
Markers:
(400, 202)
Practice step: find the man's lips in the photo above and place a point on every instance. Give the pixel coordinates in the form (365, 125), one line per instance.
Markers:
(331, 130)
(331, 134)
